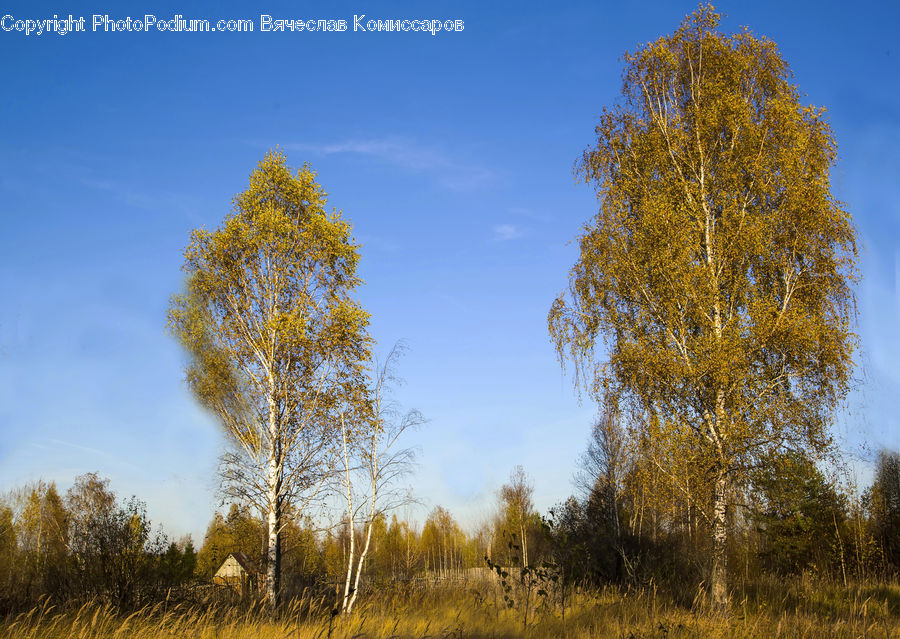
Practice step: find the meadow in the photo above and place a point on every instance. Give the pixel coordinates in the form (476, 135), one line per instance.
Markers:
(797, 609)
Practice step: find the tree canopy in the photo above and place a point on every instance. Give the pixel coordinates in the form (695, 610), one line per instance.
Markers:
(276, 342)
(714, 286)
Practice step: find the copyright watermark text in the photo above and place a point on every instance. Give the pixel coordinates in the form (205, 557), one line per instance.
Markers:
(264, 23)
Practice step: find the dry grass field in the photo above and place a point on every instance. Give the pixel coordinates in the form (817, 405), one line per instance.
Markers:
(795, 610)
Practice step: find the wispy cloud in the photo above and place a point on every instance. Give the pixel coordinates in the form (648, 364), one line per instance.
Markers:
(79, 447)
(529, 214)
(410, 156)
(506, 232)
(143, 200)
(130, 196)
(94, 451)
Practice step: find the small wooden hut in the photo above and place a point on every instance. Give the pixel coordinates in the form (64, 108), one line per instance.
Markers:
(237, 571)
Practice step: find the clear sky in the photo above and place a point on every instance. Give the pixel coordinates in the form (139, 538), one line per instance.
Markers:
(452, 156)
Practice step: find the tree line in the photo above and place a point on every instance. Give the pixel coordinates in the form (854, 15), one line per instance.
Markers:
(622, 530)
(86, 544)
(639, 521)
(90, 544)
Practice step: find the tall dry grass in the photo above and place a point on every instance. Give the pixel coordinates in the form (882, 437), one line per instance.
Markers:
(801, 609)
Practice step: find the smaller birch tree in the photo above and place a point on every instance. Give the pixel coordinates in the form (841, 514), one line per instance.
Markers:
(372, 464)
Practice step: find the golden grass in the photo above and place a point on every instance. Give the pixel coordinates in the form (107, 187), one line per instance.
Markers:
(795, 610)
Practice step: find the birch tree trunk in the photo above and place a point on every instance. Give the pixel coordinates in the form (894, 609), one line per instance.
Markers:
(359, 566)
(345, 601)
(719, 577)
(273, 558)
(273, 497)
(373, 500)
(524, 534)
(273, 568)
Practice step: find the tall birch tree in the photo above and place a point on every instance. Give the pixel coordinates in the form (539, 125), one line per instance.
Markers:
(714, 285)
(275, 340)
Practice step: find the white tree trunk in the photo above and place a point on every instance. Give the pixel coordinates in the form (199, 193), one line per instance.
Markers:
(345, 601)
(719, 577)
(359, 567)
(272, 558)
(373, 500)
(351, 556)
(273, 498)
(524, 535)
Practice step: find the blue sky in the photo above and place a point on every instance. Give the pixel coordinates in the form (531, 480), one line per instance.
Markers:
(452, 156)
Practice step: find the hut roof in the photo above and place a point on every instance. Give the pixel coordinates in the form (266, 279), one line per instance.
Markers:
(244, 565)
(244, 562)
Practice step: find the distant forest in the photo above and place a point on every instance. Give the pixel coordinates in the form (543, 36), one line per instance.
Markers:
(90, 544)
